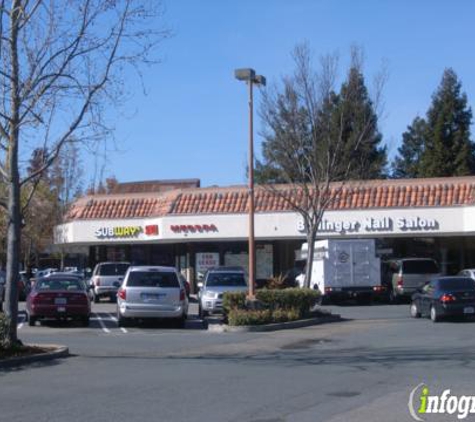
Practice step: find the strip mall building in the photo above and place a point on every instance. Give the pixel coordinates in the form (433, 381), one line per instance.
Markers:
(180, 224)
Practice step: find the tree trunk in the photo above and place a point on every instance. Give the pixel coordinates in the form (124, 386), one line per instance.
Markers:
(311, 235)
(13, 211)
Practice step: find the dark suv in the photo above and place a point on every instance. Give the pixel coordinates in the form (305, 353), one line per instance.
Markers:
(216, 281)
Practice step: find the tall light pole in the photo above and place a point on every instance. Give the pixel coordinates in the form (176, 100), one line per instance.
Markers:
(250, 77)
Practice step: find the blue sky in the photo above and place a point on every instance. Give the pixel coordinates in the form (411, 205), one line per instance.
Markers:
(192, 123)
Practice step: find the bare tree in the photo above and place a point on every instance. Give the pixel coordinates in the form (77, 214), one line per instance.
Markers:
(315, 140)
(61, 64)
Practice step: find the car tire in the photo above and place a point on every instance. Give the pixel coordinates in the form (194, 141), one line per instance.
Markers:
(202, 313)
(113, 298)
(122, 321)
(434, 315)
(85, 321)
(31, 320)
(414, 310)
(96, 298)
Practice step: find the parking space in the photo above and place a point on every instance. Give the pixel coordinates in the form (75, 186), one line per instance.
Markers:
(103, 321)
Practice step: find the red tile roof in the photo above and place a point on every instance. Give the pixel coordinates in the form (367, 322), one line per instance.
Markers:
(403, 193)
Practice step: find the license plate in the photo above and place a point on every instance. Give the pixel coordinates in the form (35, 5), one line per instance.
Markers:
(61, 309)
(151, 296)
(60, 301)
(469, 310)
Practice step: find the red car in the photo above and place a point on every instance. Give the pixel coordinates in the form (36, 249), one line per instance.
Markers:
(58, 297)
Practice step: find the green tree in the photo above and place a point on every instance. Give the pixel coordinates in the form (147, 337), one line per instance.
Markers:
(341, 121)
(314, 137)
(359, 121)
(407, 163)
(448, 150)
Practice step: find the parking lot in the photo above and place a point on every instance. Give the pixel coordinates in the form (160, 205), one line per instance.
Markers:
(362, 369)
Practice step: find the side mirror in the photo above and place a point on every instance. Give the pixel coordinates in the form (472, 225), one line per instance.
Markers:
(200, 285)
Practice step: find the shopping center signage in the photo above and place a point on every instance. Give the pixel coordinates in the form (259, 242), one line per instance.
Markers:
(118, 232)
(193, 228)
(374, 225)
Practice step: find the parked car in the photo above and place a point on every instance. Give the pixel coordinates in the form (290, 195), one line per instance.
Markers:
(467, 272)
(152, 292)
(444, 297)
(216, 282)
(186, 283)
(24, 286)
(79, 276)
(404, 276)
(107, 278)
(58, 297)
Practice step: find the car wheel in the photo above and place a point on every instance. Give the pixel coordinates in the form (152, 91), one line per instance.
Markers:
(113, 298)
(96, 299)
(434, 315)
(85, 321)
(122, 321)
(414, 310)
(202, 313)
(31, 320)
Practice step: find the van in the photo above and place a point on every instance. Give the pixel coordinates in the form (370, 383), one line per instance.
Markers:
(405, 275)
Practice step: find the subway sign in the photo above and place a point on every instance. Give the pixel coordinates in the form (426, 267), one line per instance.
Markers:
(118, 232)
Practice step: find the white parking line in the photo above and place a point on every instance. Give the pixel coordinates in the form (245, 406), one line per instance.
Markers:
(21, 322)
(113, 318)
(103, 326)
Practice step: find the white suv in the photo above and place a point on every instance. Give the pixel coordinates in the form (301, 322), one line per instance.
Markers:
(107, 278)
(152, 292)
(216, 282)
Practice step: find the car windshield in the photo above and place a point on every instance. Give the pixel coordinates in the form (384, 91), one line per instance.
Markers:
(113, 269)
(152, 279)
(420, 267)
(225, 279)
(457, 284)
(61, 284)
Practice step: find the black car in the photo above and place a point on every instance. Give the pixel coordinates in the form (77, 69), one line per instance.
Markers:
(444, 297)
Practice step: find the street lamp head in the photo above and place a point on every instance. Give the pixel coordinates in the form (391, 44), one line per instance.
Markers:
(247, 74)
(260, 80)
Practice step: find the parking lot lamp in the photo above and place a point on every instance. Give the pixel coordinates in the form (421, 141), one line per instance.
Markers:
(249, 76)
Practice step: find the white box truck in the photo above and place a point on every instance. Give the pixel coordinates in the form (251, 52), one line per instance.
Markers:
(344, 269)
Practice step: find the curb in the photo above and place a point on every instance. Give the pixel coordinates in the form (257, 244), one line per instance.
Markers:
(57, 352)
(223, 328)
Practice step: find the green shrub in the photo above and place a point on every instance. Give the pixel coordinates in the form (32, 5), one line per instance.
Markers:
(234, 300)
(300, 300)
(4, 325)
(284, 315)
(269, 306)
(277, 282)
(237, 317)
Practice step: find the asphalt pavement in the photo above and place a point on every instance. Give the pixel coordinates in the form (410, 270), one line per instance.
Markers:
(362, 369)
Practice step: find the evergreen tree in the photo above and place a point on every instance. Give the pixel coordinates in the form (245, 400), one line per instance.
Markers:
(360, 127)
(407, 162)
(345, 122)
(449, 150)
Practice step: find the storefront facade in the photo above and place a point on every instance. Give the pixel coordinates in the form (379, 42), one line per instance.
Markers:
(196, 228)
